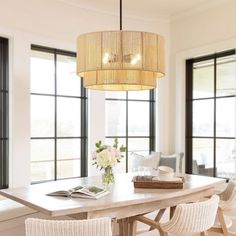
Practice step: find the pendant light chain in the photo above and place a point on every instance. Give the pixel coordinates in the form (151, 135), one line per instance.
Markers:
(120, 14)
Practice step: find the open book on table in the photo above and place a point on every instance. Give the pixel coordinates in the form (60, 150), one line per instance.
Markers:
(92, 192)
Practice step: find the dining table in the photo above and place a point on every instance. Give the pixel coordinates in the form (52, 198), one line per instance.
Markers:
(122, 203)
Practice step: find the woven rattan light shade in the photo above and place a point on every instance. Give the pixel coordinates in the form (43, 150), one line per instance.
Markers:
(120, 60)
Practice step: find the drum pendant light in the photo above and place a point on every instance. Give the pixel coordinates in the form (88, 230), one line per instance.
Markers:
(120, 60)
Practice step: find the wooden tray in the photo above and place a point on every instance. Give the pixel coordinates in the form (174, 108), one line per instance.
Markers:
(148, 182)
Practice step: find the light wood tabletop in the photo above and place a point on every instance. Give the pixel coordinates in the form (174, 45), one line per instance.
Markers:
(123, 201)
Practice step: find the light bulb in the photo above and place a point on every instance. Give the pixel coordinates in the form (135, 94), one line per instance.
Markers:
(134, 61)
(138, 57)
(105, 59)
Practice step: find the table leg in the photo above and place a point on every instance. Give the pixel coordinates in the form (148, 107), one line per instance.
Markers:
(113, 227)
(204, 233)
(172, 211)
(123, 227)
(126, 226)
(133, 228)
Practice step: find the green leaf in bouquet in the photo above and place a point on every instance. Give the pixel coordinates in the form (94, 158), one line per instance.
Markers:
(101, 148)
(122, 148)
(116, 142)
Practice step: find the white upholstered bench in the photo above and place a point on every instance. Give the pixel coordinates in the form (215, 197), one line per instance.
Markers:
(13, 216)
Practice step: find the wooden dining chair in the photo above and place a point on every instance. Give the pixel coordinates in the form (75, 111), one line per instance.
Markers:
(92, 227)
(227, 203)
(188, 219)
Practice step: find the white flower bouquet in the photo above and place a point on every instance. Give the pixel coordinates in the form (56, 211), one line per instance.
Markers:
(106, 157)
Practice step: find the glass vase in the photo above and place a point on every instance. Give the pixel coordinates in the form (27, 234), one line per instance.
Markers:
(108, 177)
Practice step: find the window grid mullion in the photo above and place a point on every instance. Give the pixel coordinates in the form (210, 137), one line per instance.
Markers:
(59, 95)
(211, 98)
(84, 130)
(214, 127)
(127, 131)
(55, 124)
(4, 123)
(152, 127)
(130, 100)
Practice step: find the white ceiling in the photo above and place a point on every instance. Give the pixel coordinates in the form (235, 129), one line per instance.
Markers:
(150, 9)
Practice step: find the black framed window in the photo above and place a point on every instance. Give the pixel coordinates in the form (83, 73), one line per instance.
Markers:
(210, 115)
(4, 82)
(130, 117)
(58, 116)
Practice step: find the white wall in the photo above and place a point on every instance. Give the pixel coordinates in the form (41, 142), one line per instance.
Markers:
(200, 33)
(56, 24)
